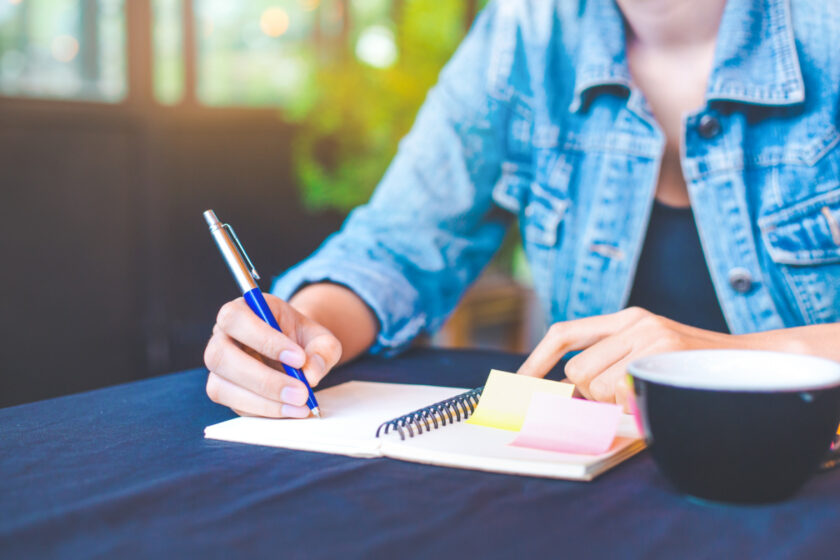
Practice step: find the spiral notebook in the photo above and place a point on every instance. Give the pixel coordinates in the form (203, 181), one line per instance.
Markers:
(423, 424)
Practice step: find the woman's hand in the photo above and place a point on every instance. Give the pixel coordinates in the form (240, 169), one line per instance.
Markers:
(609, 343)
(245, 358)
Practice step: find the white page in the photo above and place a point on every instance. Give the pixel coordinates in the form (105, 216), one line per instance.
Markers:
(482, 448)
(351, 413)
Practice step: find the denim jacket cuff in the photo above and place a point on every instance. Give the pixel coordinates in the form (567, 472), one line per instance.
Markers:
(394, 301)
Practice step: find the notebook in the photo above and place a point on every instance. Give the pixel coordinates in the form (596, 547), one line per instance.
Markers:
(405, 417)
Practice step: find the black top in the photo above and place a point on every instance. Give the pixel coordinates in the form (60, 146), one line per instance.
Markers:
(672, 278)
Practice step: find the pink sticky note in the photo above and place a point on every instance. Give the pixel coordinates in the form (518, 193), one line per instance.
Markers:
(556, 423)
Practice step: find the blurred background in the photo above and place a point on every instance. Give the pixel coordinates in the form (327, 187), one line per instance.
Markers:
(121, 121)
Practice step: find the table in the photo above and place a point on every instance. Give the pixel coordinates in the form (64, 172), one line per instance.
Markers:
(124, 472)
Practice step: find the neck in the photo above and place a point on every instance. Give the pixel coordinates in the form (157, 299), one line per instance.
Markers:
(672, 23)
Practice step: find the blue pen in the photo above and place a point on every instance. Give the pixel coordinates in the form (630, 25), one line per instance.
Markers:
(246, 277)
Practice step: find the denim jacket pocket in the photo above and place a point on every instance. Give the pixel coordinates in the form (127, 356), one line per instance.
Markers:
(806, 233)
(540, 212)
(804, 241)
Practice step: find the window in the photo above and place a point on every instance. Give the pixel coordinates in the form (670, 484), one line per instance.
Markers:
(67, 49)
(256, 53)
(168, 45)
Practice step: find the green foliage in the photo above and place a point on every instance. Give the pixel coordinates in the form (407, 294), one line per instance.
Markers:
(357, 114)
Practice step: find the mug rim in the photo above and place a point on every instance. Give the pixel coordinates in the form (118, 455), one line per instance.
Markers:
(757, 371)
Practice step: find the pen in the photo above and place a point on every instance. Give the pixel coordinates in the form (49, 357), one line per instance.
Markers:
(246, 277)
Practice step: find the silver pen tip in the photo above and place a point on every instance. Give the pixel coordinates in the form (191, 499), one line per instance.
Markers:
(316, 412)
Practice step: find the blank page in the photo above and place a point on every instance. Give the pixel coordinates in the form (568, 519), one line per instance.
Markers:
(351, 413)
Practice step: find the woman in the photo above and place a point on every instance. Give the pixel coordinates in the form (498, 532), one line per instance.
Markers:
(609, 128)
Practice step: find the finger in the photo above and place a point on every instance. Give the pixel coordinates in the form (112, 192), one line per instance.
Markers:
(592, 362)
(576, 394)
(322, 354)
(224, 358)
(575, 335)
(237, 321)
(246, 403)
(291, 321)
(623, 394)
(605, 387)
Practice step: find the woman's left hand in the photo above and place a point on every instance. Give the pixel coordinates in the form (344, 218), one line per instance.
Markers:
(609, 343)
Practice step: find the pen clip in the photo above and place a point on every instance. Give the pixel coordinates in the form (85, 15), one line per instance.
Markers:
(253, 271)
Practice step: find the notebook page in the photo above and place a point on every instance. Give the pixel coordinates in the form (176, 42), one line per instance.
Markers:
(481, 448)
(351, 413)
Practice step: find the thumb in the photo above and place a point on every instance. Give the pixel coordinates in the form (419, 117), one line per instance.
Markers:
(322, 354)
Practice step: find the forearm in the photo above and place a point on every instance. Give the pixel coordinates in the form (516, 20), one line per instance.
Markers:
(817, 340)
(342, 312)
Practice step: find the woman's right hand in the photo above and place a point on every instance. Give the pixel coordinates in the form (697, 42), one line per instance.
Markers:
(245, 358)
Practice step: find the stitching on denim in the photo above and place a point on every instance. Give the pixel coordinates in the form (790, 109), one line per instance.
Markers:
(741, 162)
(785, 39)
(558, 205)
(791, 87)
(804, 304)
(829, 195)
(644, 148)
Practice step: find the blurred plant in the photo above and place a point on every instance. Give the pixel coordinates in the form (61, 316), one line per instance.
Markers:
(358, 111)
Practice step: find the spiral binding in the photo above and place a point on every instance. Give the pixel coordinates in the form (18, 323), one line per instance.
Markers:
(452, 410)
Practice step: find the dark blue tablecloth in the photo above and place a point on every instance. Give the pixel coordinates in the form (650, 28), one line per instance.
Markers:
(125, 472)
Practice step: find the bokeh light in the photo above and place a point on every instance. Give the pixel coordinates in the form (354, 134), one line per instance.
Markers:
(377, 47)
(274, 21)
(64, 48)
(309, 5)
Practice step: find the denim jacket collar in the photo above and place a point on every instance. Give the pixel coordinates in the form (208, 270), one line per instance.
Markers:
(755, 57)
(601, 56)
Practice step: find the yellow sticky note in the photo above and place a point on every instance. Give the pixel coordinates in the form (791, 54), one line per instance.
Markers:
(507, 396)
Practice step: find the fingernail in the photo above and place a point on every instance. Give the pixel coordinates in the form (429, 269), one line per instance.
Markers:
(295, 411)
(318, 365)
(294, 358)
(294, 395)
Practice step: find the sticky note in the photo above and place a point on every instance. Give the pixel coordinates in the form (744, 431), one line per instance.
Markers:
(506, 398)
(555, 423)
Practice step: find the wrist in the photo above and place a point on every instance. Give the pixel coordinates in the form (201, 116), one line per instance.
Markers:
(307, 301)
(775, 341)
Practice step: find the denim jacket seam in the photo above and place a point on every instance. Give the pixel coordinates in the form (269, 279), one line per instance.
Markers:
(799, 209)
(764, 95)
(790, 60)
(750, 162)
(797, 154)
(571, 143)
(805, 309)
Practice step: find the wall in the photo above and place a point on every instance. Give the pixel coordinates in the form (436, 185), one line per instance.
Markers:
(109, 273)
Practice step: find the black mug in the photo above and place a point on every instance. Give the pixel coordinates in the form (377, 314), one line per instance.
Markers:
(738, 426)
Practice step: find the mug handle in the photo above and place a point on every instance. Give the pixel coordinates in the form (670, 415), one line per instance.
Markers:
(832, 458)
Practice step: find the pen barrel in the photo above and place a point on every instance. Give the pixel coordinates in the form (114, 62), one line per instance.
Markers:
(233, 259)
(258, 305)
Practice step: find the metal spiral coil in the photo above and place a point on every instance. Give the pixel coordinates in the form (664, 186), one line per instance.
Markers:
(431, 417)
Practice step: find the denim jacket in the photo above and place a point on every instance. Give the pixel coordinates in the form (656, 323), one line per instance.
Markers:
(536, 116)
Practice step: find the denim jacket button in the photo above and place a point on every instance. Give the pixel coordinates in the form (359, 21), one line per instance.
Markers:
(708, 127)
(741, 280)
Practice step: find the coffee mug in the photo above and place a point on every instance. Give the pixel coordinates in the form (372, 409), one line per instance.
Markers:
(737, 426)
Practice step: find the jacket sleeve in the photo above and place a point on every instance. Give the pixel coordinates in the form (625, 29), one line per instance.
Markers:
(430, 226)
